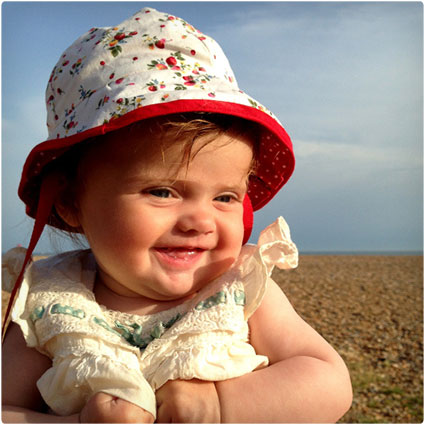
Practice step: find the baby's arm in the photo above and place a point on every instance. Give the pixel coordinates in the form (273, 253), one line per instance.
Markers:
(307, 381)
(21, 368)
(22, 402)
(191, 401)
(105, 408)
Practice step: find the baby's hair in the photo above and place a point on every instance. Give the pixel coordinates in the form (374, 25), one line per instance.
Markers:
(190, 127)
(181, 128)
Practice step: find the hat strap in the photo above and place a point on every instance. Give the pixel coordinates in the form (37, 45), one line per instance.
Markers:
(248, 218)
(49, 190)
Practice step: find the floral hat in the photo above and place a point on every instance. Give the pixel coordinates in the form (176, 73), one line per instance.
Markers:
(151, 64)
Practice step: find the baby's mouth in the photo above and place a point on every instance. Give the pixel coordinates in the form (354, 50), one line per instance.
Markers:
(180, 253)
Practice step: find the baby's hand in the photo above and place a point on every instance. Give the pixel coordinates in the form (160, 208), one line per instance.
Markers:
(191, 401)
(105, 408)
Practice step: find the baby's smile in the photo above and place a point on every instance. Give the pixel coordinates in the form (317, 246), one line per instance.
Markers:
(179, 257)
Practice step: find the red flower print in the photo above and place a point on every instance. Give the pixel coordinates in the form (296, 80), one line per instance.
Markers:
(171, 61)
(152, 88)
(160, 43)
(135, 58)
(114, 41)
(189, 81)
(193, 52)
(119, 81)
(102, 63)
(111, 76)
(160, 66)
(65, 63)
(76, 67)
(119, 36)
(120, 100)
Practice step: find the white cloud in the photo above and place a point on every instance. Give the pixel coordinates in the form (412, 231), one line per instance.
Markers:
(348, 153)
(346, 72)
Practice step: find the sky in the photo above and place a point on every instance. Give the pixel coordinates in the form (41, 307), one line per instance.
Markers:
(344, 78)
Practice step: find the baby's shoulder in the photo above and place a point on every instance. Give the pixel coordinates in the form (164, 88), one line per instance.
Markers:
(69, 260)
(63, 270)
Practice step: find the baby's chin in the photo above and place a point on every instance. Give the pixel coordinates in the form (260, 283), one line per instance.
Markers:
(175, 294)
(173, 286)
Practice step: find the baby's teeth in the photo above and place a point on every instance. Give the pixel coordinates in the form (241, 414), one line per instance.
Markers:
(180, 253)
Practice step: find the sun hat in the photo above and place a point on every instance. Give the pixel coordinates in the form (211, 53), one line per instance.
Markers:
(152, 64)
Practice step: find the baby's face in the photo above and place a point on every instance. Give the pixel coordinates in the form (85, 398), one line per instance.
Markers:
(158, 229)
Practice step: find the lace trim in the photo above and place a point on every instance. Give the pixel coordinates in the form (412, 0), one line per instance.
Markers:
(135, 333)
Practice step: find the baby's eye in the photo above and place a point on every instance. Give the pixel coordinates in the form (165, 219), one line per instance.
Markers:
(224, 198)
(160, 193)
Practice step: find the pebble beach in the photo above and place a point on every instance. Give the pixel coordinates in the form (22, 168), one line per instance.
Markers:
(370, 308)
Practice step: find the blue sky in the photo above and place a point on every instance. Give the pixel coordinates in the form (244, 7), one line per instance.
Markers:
(345, 79)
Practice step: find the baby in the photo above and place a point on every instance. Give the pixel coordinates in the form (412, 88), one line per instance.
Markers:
(158, 159)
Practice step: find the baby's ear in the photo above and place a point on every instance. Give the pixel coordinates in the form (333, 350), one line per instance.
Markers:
(67, 210)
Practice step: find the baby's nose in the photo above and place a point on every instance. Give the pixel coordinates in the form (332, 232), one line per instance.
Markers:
(198, 219)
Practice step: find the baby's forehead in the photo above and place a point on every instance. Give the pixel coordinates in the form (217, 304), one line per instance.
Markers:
(135, 156)
(140, 153)
(160, 147)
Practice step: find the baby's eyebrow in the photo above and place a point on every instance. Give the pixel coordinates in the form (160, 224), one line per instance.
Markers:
(144, 179)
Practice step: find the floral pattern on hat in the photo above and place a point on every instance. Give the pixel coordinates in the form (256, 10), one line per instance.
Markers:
(148, 59)
(113, 39)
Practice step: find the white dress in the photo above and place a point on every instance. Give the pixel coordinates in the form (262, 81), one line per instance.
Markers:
(94, 349)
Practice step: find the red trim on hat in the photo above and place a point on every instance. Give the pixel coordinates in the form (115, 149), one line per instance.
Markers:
(59, 146)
